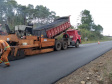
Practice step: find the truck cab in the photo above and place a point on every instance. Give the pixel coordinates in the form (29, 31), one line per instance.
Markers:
(75, 37)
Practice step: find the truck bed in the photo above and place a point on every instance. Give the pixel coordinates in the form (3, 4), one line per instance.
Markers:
(56, 23)
(53, 29)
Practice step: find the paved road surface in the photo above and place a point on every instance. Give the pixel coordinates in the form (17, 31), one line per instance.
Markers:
(50, 67)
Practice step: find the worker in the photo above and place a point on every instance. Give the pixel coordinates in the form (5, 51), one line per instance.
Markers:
(65, 35)
(4, 51)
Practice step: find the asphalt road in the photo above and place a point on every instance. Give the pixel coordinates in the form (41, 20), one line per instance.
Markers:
(50, 67)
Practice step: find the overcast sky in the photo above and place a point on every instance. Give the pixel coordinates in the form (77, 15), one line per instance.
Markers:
(101, 10)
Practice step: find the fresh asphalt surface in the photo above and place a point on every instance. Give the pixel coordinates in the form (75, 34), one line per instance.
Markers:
(49, 67)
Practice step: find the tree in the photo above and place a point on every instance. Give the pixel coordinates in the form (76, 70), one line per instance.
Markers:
(86, 20)
(98, 28)
(43, 15)
(88, 28)
(13, 13)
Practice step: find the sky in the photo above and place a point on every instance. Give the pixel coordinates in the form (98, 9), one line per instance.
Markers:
(101, 10)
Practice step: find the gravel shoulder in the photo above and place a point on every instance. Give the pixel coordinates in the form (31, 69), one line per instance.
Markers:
(98, 71)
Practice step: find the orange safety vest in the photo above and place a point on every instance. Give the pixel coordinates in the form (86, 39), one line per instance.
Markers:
(4, 45)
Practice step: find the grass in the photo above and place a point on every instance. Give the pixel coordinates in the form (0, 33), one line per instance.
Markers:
(101, 40)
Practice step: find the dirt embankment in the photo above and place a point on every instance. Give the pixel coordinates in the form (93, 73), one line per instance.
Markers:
(98, 71)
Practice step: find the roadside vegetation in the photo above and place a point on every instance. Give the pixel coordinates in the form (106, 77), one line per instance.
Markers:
(92, 37)
(12, 13)
(90, 32)
(105, 38)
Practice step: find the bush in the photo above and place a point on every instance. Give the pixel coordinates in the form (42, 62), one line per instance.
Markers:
(91, 35)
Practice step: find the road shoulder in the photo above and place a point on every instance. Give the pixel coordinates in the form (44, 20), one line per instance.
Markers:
(98, 71)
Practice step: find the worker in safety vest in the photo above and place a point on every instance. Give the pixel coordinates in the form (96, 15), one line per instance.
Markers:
(4, 51)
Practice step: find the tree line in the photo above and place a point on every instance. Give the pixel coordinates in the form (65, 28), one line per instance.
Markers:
(12, 13)
(88, 28)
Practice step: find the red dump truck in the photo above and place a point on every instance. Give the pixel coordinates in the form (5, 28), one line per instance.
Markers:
(41, 39)
(70, 37)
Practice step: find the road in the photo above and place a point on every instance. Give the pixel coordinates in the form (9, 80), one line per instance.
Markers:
(50, 67)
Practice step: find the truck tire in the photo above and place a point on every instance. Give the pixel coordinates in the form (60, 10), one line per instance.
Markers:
(77, 44)
(64, 45)
(57, 45)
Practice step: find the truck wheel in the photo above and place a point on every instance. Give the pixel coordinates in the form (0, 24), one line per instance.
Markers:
(57, 45)
(64, 45)
(77, 44)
